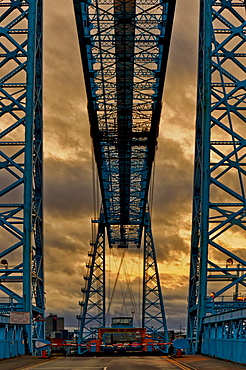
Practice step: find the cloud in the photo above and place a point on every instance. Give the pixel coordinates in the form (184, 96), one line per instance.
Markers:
(175, 300)
(68, 188)
(172, 202)
(183, 57)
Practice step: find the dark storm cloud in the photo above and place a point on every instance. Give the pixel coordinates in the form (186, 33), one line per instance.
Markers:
(62, 64)
(183, 56)
(175, 292)
(175, 308)
(173, 177)
(172, 200)
(174, 159)
(71, 239)
(62, 48)
(68, 188)
(66, 122)
(68, 185)
(170, 247)
(65, 276)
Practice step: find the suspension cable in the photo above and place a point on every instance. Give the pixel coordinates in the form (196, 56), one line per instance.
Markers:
(131, 294)
(116, 281)
(151, 193)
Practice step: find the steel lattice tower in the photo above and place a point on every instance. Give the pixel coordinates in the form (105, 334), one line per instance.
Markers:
(219, 217)
(21, 208)
(124, 47)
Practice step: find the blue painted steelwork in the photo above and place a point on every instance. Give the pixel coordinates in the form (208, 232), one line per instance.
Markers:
(224, 336)
(21, 208)
(12, 340)
(124, 47)
(218, 228)
(153, 314)
(93, 313)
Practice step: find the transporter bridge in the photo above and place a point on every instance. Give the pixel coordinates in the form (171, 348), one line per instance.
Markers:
(124, 48)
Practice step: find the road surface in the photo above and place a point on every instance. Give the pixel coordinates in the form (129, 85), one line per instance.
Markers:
(118, 363)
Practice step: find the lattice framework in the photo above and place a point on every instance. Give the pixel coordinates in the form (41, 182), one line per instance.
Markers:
(21, 213)
(93, 313)
(124, 47)
(217, 264)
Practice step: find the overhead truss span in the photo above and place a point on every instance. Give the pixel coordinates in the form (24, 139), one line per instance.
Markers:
(124, 47)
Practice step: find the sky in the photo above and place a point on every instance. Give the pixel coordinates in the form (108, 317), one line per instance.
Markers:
(68, 195)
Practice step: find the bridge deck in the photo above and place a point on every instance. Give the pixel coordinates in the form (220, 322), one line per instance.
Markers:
(185, 363)
(198, 362)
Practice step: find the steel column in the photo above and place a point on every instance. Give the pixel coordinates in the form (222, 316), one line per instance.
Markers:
(93, 312)
(218, 225)
(153, 313)
(21, 208)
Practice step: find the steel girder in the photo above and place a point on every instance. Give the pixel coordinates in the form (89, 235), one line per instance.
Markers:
(12, 339)
(124, 47)
(93, 314)
(224, 336)
(218, 224)
(153, 314)
(21, 207)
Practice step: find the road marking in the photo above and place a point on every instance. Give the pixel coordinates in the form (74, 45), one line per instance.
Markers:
(177, 364)
(64, 367)
(30, 367)
(180, 364)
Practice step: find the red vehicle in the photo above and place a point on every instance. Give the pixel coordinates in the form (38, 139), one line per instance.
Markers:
(121, 337)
